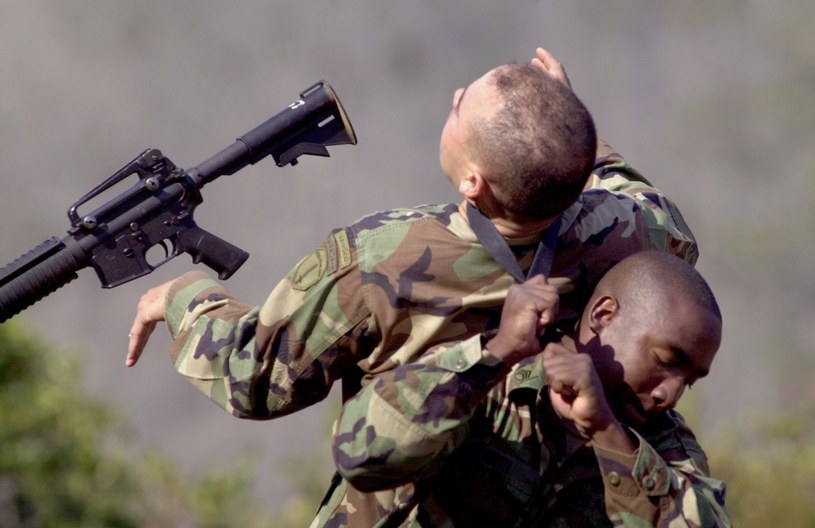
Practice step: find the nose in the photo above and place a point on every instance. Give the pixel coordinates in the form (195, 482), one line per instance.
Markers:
(457, 96)
(666, 395)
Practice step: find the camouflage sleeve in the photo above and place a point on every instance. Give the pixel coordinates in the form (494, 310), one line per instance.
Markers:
(666, 483)
(404, 422)
(666, 226)
(264, 361)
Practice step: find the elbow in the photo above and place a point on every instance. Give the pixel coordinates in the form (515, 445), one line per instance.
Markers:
(367, 483)
(366, 471)
(368, 462)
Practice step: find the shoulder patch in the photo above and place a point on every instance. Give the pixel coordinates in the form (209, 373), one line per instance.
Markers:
(343, 249)
(338, 250)
(310, 270)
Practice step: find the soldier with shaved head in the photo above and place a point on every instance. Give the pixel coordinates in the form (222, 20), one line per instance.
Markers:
(527, 428)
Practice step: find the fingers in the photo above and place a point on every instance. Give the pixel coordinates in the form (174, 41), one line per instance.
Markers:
(566, 376)
(137, 339)
(569, 373)
(549, 304)
(564, 368)
(547, 63)
(149, 311)
(563, 285)
(528, 309)
(542, 297)
(576, 391)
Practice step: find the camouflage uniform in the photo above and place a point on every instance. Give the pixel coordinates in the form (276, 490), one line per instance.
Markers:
(379, 293)
(505, 463)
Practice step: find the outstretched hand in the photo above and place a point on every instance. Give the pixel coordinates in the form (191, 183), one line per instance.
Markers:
(149, 311)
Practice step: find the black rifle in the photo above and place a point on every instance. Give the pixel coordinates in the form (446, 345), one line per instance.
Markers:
(158, 209)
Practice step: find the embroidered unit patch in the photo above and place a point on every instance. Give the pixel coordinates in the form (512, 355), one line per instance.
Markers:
(310, 270)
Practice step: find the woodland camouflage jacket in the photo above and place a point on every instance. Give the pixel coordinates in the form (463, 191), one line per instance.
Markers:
(384, 290)
(459, 439)
(379, 293)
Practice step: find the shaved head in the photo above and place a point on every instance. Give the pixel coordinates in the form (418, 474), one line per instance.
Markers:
(538, 146)
(654, 280)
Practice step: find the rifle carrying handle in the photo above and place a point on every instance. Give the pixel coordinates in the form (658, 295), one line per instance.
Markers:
(38, 273)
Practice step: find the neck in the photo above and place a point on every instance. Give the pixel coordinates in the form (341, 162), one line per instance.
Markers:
(510, 228)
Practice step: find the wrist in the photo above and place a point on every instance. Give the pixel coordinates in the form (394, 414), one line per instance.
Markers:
(614, 437)
(500, 348)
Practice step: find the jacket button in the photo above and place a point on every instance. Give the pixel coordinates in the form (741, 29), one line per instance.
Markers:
(614, 478)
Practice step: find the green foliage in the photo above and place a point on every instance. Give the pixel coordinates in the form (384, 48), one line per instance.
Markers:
(65, 462)
(308, 478)
(769, 467)
(50, 470)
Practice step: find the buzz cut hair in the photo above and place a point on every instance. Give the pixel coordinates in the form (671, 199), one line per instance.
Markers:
(539, 146)
(648, 280)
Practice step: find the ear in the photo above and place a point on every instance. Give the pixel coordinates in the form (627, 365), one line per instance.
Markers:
(602, 311)
(473, 186)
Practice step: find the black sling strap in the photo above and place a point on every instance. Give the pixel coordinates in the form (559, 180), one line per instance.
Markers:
(497, 245)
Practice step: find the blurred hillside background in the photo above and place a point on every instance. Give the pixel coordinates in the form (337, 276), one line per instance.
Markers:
(712, 101)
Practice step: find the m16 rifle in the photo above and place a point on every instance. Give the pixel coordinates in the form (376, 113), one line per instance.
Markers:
(157, 210)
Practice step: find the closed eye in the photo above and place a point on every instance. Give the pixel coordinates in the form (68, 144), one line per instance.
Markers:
(679, 366)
